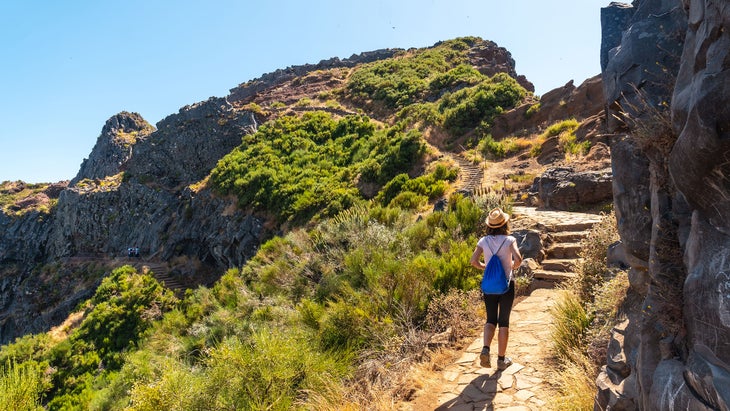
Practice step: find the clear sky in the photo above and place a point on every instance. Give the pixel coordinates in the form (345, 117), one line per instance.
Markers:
(67, 66)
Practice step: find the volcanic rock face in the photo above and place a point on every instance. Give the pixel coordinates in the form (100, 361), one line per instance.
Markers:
(671, 196)
(131, 191)
(113, 147)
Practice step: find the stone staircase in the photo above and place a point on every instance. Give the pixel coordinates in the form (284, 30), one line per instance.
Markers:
(563, 232)
(471, 175)
(161, 273)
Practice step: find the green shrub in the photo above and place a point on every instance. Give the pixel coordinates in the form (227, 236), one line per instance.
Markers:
(408, 201)
(565, 126)
(532, 110)
(474, 106)
(570, 146)
(591, 268)
(459, 76)
(20, 387)
(343, 327)
(415, 192)
(121, 311)
(298, 169)
(403, 80)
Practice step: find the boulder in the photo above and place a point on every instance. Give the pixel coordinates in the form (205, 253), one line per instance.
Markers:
(529, 244)
(563, 188)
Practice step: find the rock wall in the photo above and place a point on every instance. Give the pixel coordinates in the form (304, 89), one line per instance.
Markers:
(666, 91)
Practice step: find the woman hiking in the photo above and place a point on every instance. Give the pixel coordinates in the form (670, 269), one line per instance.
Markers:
(498, 306)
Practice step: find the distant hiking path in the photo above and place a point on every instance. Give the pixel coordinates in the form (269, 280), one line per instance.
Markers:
(525, 386)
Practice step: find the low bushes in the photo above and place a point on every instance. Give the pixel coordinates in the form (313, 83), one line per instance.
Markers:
(587, 310)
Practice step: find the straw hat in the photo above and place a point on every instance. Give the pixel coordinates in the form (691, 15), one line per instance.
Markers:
(497, 218)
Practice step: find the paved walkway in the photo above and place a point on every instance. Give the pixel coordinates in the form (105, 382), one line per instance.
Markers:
(467, 386)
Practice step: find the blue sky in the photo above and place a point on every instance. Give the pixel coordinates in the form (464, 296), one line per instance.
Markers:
(67, 66)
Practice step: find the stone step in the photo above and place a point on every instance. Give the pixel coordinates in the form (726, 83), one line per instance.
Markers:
(582, 225)
(558, 264)
(169, 282)
(555, 276)
(564, 250)
(568, 236)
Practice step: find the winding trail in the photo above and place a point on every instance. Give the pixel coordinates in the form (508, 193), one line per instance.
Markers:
(525, 386)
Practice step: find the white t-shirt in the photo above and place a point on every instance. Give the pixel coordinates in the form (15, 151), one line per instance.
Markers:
(504, 253)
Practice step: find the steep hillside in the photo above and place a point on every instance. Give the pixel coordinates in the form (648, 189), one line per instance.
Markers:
(314, 186)
(147, 187)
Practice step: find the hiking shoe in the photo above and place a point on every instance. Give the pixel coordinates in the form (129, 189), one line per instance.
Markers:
(484, 359)
(503, 364)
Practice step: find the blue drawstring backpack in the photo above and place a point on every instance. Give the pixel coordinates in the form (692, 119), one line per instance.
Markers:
(494, 281)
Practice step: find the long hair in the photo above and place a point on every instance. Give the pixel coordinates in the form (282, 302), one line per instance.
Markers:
(502, 230)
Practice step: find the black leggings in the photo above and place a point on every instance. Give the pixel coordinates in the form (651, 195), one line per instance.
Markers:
(501, 303)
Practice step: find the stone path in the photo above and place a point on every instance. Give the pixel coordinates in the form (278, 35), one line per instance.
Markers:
(523, 386)
(562, 232)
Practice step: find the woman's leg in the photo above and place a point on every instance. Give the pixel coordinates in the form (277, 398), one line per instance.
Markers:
(491, 302)
(505, 309)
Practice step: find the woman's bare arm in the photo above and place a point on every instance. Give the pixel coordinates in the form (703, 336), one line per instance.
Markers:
(475, 260)
(516, 256)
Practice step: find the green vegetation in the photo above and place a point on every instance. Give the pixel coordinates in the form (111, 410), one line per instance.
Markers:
(533, 109)
(488, 147)
(565, 130)
(300, 324)
(468, 108)
(20, 387)
(429, 187)
(584, 316)
(299, 168)
(435, 87)
(398, 82)
(123, 308)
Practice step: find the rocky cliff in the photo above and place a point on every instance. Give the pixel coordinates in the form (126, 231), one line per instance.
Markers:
(134, 190)
(665, 81)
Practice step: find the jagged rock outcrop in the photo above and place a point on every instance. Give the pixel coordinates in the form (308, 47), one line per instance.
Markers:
(113, 148)
(149, 206)
(187, 145)
(671, 199)
(562, 103)
(491, 59)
